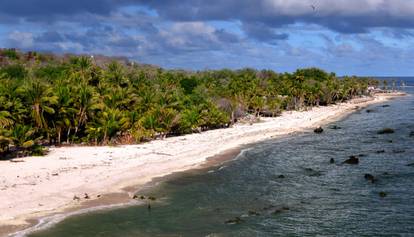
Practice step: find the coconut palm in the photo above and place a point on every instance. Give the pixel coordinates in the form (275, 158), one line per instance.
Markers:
(41, 98)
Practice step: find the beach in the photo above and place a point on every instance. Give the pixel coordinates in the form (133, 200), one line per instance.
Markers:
(78, 177)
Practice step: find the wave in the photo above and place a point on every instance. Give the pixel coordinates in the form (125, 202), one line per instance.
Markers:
(49, 221)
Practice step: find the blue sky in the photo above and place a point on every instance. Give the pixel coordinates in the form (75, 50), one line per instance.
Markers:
(353, 37)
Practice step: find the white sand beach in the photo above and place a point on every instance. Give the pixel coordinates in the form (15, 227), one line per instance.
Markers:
(41, 186)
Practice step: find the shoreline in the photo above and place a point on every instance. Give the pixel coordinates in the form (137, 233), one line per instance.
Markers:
(111, 175)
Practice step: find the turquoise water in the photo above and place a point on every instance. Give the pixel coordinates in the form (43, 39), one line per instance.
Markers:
(249, 197)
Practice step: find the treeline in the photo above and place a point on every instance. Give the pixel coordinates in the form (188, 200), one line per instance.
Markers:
(47, 100)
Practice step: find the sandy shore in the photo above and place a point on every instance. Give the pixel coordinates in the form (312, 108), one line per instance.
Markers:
(43, 186)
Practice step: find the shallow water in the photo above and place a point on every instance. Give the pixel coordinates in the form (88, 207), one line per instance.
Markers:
(315, 198)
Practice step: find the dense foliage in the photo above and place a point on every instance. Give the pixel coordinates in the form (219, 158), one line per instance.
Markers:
(46, 99)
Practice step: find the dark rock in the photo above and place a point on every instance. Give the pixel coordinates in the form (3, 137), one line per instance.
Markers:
(384, 106)
(236, 220)
(370, 110)
(398, 151)
(55, 174)
(380, 151)
(151, 198)
(335, 127)
(318, 130)
(382, 194)
(98, 196)
(281, 176)
(86, 196)
(138, 197)
(315, 174)
(386, 173)
(389, 141)
(411, 134)
(76, 198)
(353, 160)
(253, 213)
(386, 131)
(311, 172)
(362, 155)
(280, 210)
(332, 161)
(411, 164)
(370, 177)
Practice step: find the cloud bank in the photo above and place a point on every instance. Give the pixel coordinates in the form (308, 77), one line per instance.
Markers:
(354, 36)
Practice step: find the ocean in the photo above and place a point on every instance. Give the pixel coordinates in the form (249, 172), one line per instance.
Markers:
(285, 187)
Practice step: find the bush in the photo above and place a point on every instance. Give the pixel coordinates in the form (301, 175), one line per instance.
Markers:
(9, 53)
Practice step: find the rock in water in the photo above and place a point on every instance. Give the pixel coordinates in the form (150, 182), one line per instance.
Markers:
(253, 213)
(335, 127)
(332, 161)
(386, 131)
(236, 220)
(353, 160)
(382, 194)
(370, 177)
(318, 130)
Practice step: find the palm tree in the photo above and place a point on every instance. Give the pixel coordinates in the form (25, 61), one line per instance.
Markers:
(24, 137)
(64, 119)
(189, 120)
(109, 123)
(41, 98)
(85, 103)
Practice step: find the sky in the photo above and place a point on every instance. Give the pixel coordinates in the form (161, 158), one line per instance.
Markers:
(349, 37)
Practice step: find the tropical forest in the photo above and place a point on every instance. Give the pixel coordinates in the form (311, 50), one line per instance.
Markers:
(55, 100)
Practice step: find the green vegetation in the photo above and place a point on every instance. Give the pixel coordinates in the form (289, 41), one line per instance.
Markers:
(55, 100)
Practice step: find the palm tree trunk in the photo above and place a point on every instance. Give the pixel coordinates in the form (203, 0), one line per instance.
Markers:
(68, 135)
